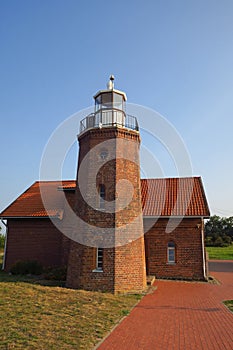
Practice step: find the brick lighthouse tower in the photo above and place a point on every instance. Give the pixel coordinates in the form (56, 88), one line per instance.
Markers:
(107, 252)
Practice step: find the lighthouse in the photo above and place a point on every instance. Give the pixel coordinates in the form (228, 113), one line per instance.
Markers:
(110, 255)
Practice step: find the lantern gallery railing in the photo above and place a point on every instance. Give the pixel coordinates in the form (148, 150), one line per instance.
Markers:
(108, 117)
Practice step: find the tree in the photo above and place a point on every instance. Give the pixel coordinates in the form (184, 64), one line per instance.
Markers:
(219, 231)
(2, 240)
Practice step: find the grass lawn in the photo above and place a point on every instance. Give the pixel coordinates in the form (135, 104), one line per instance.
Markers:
(220, 253)
(36, 316)
(229, 304)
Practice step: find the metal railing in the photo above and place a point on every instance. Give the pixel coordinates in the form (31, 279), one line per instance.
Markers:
(109, 117)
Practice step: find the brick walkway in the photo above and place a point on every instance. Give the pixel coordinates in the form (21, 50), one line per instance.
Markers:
(178, 316)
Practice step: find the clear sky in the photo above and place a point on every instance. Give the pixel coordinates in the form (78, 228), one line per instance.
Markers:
(173, 56)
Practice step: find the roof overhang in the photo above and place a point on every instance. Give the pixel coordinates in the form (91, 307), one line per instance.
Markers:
(31, 217)
(108, 91)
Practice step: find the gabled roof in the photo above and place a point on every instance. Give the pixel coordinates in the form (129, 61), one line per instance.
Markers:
(183, 196)
(160, 197)
(29, 204)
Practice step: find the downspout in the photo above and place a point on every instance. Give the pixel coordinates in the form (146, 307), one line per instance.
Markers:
(4, 256)
(203, 249)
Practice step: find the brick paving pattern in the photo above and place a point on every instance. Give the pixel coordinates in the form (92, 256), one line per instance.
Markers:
(178, 316)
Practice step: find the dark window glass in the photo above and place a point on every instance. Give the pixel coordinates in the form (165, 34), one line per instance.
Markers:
(171, 252)
(102, 196)
(99, 259)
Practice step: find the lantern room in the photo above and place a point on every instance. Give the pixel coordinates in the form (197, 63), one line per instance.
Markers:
(109, 110)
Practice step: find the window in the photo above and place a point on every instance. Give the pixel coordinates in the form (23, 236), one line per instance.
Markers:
(107, 100)
(118, 101)
(103, 154)
(98, 103)
(171, 250)
(102, 196)
(99, 259)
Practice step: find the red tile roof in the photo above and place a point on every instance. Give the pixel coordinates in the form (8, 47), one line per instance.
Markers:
(160, 197)
(29, 203)
(174, 197)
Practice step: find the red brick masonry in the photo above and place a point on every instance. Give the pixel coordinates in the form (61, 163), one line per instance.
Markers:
(179, 316)
(187, 237)
(34, 239)
(123, 265)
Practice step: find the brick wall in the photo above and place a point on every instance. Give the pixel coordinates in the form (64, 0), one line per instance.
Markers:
(82, 271)
(33, 239)
(130, 273)
(188, 250)
(38, 239)
(124, 266)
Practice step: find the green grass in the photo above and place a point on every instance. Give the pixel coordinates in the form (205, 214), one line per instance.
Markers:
(220, 253)
(229, 304)
(37, 316)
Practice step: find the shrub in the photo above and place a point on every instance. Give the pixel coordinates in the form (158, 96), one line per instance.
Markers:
(219, 231)
(219, 242)
(26, 267)
(56, 274)
(227, 240)
(208, 242)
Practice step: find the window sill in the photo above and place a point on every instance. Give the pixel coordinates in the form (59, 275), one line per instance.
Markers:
(171, 263)
(97, 270)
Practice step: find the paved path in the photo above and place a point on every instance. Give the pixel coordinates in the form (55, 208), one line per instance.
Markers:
(221, 266)
(178, 316)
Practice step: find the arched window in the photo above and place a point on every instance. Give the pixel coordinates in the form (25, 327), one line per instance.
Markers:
(171, 253)
(102, 196)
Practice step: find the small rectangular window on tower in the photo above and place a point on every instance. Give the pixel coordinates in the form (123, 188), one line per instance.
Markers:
(102, 196)
(99, 259)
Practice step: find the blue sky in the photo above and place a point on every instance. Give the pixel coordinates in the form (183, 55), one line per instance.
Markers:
(173, 56)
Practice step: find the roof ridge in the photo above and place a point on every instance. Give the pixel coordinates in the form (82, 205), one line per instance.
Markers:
(159, 195)
(148, 178)
(171, 178)
(49, 181)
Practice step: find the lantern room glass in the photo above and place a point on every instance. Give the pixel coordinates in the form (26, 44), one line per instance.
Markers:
(111, 100)
(109, 109)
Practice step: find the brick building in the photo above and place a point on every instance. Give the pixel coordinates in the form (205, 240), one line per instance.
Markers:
(142, 226)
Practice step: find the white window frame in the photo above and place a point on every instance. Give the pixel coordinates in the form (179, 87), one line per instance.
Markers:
(99, 260)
